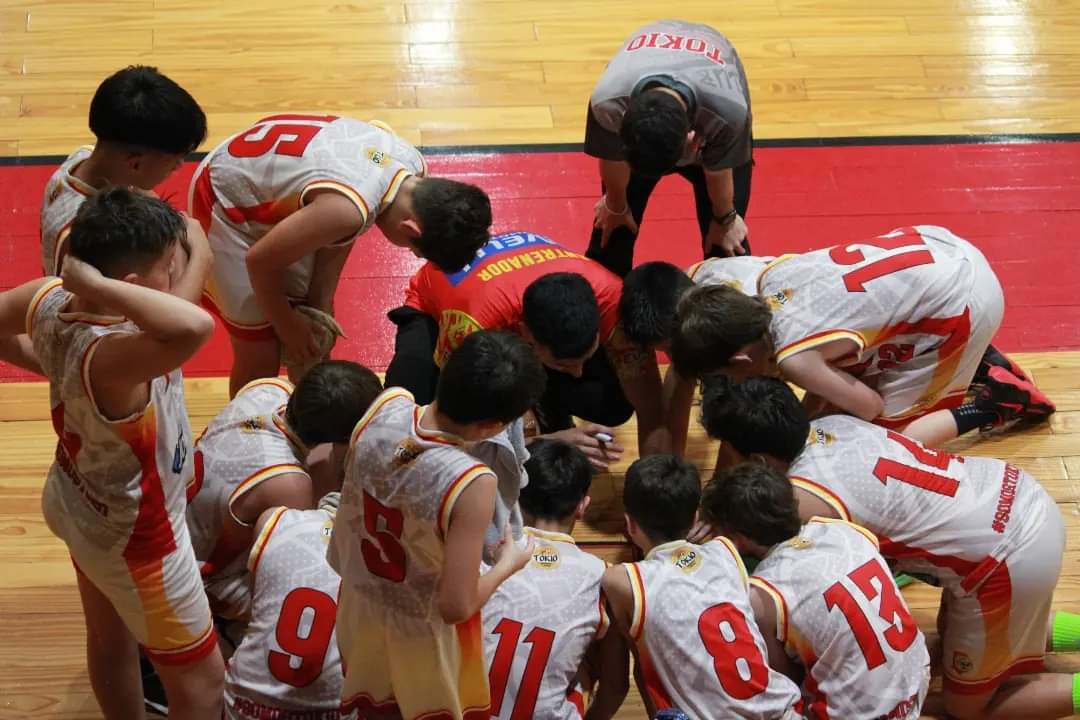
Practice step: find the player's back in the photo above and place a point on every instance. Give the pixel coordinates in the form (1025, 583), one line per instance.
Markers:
(740, 272)
(841, 614)
(401, 483)
(64, 193)
(263, 174)
(935, 512)
(288, 660)
(698, 646)
(913, 282)
(537, 628)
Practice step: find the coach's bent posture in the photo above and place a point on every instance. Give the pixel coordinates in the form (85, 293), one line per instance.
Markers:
(673, 99)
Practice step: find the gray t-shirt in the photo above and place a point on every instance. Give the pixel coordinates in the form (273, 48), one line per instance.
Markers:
(506, 455)
(689, 58)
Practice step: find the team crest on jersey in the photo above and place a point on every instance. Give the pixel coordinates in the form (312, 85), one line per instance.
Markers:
(546, 557)
(253, 424)
(380, 158)
(687, 558)
(779, 298)
(179, 452)
(326, 531)
(454, 327)
(961, 663)
(406, 451)
(821, 437)
(799, 543)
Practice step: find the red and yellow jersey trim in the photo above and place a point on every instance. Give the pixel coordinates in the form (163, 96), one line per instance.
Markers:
(84, 374)
(434, 436)
(256, 478)
(446, 507)
(817, 339)
(550, 535)
(339, 187)
(263, 538)
(61, 238)
(276, 382)
(781, 606)
(735, 556)
(392, 189)
(854, 526)
(278, 418)
(604, 624)
(822, 493)
(376, 406)
(35, 302)
(637, 590)
(769, 266)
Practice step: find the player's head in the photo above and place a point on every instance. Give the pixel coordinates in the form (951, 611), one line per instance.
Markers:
(752, 504)
(650, 294)
(329, 400)
(147, 120)
(719, 329)
(655, 131)
(559, 480)
(758, 419)
(660, 495)
(446, 222)
(128, 236)
(489, 381)
(562, 321)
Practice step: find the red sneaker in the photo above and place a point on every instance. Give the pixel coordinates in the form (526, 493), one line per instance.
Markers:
(1013, 398)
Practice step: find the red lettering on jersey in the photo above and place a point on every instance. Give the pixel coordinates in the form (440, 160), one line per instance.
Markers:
(715, 56)
(636, 44)
(695, 45)
(673, 42)
(1006, 498)
(653, 37)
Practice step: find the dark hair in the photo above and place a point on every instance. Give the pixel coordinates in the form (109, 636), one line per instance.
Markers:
(492, 376)
(329, 400)
(650, 293)
(559, 477)
(141, 107)
(712, 322)
(118, 231)
(561, 312)
(758, 415)
(654, 132)
(753, 499)
(661, 494)
(455, 219)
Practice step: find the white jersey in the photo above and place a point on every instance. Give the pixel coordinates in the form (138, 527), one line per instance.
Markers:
(740, 272)
(840, 613)
(288, 662)
(908, 290)
(699, 649)
(401, 483)
(936, 513)
(538, 626)
(247, 444)
(119, 483)
(263, 174)
(64, 193)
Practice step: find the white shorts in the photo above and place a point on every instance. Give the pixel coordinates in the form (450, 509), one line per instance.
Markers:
(418, 668)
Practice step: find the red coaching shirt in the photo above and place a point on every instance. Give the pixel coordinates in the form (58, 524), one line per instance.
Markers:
(487, 294)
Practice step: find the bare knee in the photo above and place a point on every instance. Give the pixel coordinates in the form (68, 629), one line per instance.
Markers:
(967, 707)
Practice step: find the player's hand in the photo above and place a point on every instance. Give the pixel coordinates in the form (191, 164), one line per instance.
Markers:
(729, 238)
(607, 219)
(79, 277)
(584, 437)
(510, 554)
(701, 532)
(297, 339)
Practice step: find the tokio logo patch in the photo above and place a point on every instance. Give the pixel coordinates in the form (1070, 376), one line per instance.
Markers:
(406, 452)
(779, 298)
(961, 663)
(254, 424)
(546, 557)
(800, 543)
(380, 158)
(326, 531)
(687, 558)
(821, 437)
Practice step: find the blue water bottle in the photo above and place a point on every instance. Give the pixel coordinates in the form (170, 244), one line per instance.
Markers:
(671, 714)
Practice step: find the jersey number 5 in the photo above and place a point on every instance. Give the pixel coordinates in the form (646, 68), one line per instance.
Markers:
(309, 648)
(727, 638)
(891, 609)
(855, 281)
(283, 138)
(385, 556)
(541, 640)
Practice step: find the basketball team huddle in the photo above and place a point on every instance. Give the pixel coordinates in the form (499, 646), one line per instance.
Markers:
(336, 545)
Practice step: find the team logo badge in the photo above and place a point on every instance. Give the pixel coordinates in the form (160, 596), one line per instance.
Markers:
(546, 557)
(778, 299)
(800, 543)
(687, 558)
(378, 157)
(406, 452)
(252, 425)
(454, 327)
(327, 531)
(962, 663)
(821, 437)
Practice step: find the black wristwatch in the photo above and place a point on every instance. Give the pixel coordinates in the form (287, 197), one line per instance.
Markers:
(725, 219)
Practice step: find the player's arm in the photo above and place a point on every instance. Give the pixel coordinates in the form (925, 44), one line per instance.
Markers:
(728, 230)
(326, 275)
(765, 618)
(811, 505)
(620, 604)
(811, 370)
(16, 347)
(613, 681)
(191, 277)
(171, 330)
(639, 377)
(678, 401)
(239, 518)
(462, 590)
(18, 350)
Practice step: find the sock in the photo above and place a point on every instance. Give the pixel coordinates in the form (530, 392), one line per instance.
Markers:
(1065, 632)
(971, 416)
(1076, 694)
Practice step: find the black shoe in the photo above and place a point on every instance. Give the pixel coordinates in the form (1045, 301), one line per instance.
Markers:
(1012, 398)
(991, 358)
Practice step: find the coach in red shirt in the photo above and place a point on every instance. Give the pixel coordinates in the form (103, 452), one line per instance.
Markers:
(567, 307)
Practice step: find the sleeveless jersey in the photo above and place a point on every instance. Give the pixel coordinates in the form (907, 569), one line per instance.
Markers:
(401, 483)
(740, 272)
(287, 664)
(120, 483)
(840, 613)
(488, 293)
(263, 174)
(897, 296)
(64, 193)
(538, 626)
(937, 514)
(245, 445)
(698, 647)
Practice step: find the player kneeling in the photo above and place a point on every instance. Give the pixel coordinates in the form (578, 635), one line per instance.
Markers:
(287, 664)
(686, 607)
(983, 529)
(254, 456)
(539, 624)
(824, 597)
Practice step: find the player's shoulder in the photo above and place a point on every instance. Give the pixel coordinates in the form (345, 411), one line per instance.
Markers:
(392, 405)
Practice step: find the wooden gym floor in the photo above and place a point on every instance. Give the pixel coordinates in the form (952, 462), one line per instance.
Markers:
(491, 72)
